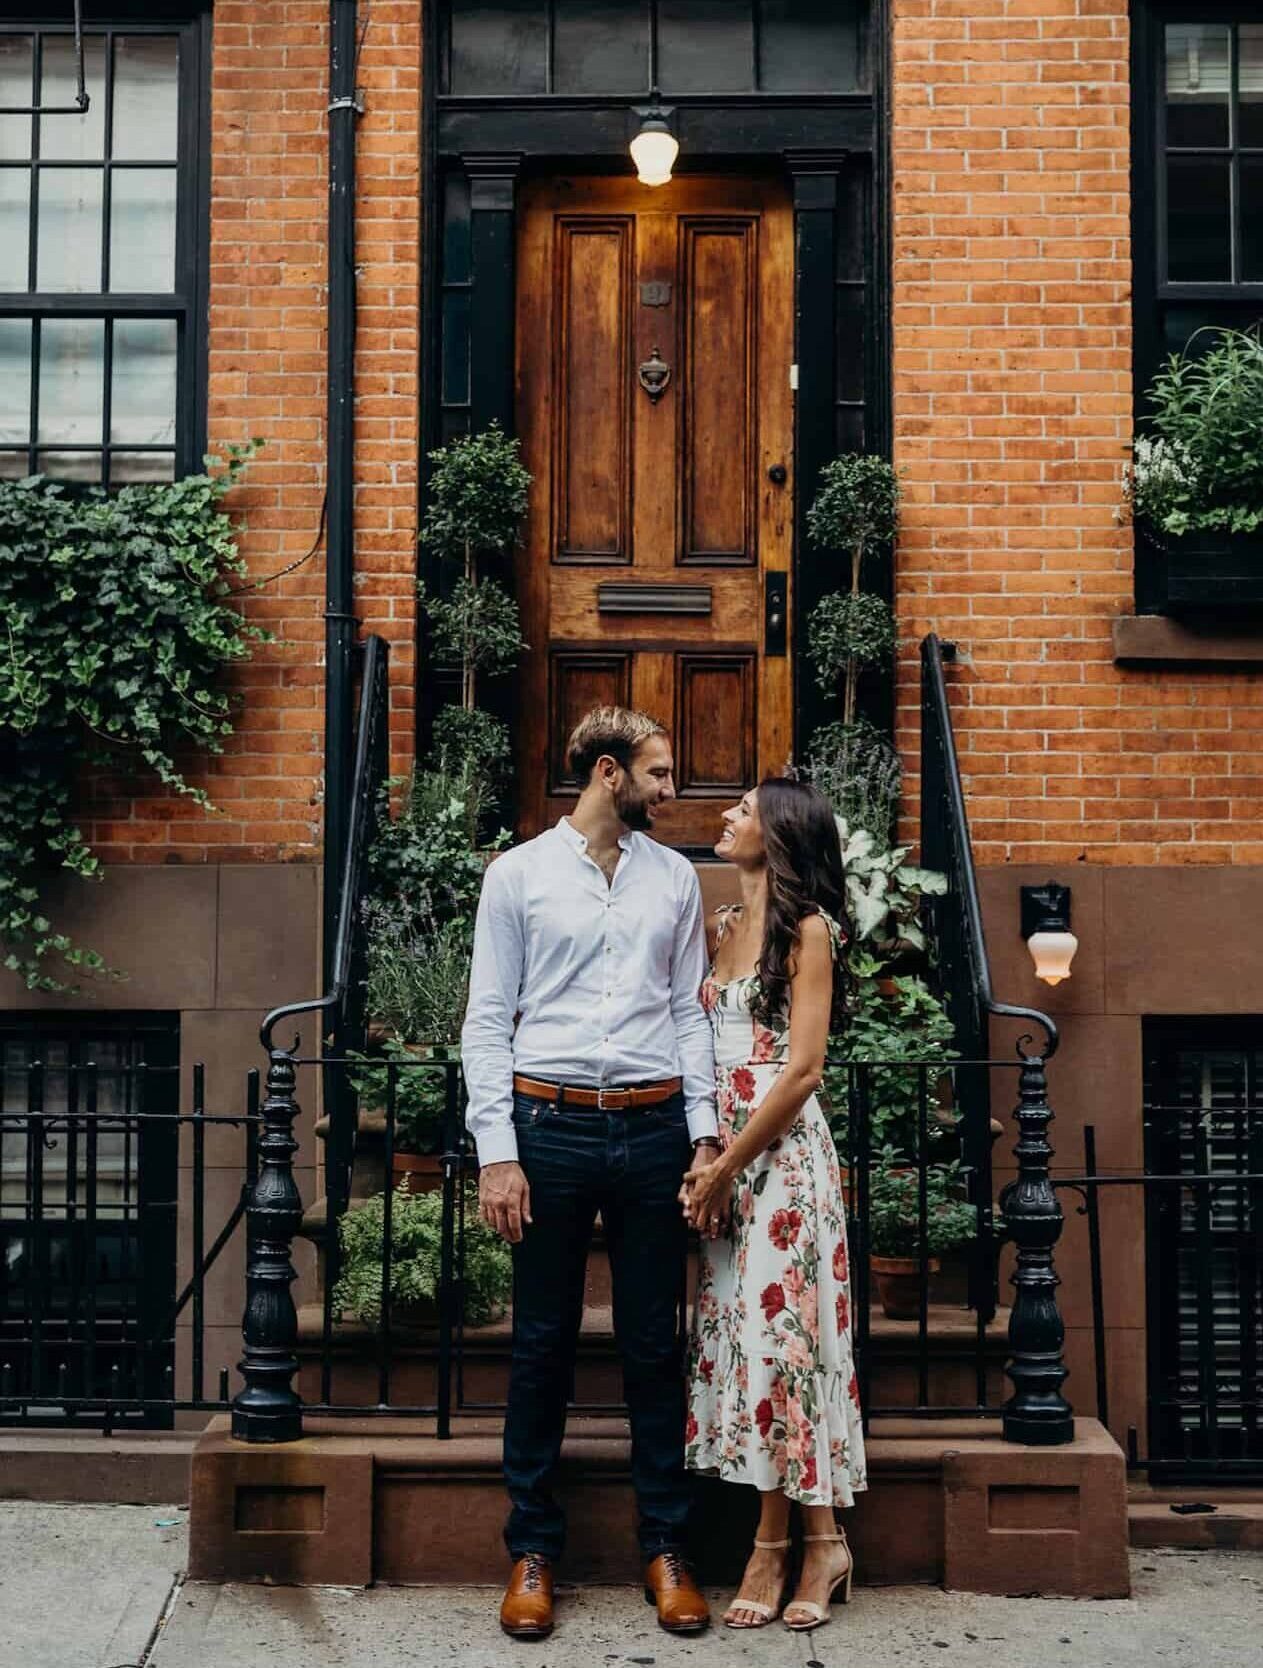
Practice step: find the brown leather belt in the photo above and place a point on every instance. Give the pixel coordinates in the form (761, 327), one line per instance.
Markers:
(600, 1100)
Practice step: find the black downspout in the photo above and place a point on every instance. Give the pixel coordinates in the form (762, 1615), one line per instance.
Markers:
(340, 622)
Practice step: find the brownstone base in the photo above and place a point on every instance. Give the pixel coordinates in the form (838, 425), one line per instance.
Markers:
(356, 1502)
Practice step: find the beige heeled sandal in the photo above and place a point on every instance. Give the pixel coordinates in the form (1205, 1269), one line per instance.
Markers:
(768, 1612)
(816, 1615)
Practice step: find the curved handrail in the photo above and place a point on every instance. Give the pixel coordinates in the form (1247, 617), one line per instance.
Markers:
(934, 700)
(370, 742)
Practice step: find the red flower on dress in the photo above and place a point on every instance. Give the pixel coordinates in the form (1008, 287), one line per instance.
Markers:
(773, 1300)
(709, 994)
(839, 1260)
(782, 1230)
(764, 1045)
(843, 1312)
(743, 1084)
(853, 1390)
(807, 1476)
(706, 1371)
(764, 1417)
(690, 1428)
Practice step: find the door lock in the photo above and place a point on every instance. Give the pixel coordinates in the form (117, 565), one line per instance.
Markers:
(775, 615)
(778, 474)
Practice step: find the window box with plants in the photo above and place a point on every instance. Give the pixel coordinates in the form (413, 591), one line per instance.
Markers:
(895, 1233)
(1194, 486)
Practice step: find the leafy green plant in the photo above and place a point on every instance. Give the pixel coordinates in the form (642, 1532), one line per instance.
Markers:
(118, 625)
(472, 745)
(856, 507)
(426, 864)
(896, 1025)
(418, 973)
(884, 892)
(859, 773)
(848, 627)
(1200, 469)
(420, 1094)
(894, 1207)
(416, 1258)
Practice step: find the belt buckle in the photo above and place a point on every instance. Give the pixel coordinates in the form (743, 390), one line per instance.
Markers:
(601, 1103)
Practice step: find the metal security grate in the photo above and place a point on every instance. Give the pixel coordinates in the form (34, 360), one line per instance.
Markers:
(1204, 1121)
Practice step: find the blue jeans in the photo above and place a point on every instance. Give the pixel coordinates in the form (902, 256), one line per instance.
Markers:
(629, 1167)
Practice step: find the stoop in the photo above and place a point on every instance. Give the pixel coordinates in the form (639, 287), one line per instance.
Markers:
(357, 1501)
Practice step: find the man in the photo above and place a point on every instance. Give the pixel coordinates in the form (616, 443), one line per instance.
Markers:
(590, 1069)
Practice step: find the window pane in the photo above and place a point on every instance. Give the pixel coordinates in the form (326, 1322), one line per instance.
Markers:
(71, 380)
(142, 402)
(146, 81)
(14, 466)
(1198, 82)
(498, 48)
(142, 229)
(808, 46)
(601, 46)
(78, 138)
(15, 381)
(15, 226)
(1250, 83)
(1198, 220)
(1252, 219)
(705, 46)
(17, 86)
(68, 252)
(69, 466)
(141, 466)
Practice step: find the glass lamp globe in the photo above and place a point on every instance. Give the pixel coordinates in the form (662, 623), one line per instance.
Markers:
(1052, 953)
(654, 150)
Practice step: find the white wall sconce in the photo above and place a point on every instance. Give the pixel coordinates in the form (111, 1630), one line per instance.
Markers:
(655, 147)
(1046, 929)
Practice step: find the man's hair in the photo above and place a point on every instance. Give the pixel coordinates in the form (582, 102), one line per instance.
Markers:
(617, 731)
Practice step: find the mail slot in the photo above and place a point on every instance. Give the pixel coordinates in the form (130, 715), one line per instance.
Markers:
(653, 599)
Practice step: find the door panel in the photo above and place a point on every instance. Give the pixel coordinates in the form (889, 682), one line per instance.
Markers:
(654, 337)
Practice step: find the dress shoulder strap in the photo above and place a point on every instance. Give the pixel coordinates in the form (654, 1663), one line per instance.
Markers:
(723, 915)
(837, 938)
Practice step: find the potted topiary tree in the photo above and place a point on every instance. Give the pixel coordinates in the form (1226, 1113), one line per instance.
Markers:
(1194, 485)
(895, 1227)
(856, 510)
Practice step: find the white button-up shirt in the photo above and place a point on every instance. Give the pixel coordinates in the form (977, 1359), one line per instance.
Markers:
(581, 982)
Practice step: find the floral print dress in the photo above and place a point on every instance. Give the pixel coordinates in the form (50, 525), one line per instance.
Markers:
(773, 1396)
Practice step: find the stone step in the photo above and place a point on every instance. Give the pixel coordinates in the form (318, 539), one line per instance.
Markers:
(414, 1357)
(380, 1499)
(1234, 1522)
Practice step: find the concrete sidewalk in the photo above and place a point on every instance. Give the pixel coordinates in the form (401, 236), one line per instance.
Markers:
(99, 1587)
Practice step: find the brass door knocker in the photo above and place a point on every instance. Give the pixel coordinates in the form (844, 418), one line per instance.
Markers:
(654, 376)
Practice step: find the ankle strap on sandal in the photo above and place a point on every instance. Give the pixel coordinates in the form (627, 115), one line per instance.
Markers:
(840, 1537)
(770, 1546)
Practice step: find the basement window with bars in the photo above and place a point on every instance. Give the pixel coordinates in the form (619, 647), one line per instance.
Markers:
(1204, 1118)
(99, 232)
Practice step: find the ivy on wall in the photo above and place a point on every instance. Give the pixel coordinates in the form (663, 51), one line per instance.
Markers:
(116, 624)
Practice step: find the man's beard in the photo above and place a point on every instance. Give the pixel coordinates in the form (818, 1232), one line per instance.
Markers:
(633, 809)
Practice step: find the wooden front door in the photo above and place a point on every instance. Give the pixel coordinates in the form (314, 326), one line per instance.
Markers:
(654, 339)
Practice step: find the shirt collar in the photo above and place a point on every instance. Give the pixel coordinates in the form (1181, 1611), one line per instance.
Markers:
(579, 842)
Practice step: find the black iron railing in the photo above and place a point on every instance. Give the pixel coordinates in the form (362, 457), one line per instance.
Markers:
(102, 1204)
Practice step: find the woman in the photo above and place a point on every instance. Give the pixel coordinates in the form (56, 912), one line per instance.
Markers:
(773, 1395)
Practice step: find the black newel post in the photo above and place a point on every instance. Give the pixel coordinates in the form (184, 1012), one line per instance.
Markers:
(1036, 1412)
(268, 1409)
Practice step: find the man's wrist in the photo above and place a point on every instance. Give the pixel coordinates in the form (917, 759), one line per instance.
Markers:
(706, 1141)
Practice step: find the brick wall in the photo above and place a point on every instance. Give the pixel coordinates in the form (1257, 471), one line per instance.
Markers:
(1012, 414)
(267, 378)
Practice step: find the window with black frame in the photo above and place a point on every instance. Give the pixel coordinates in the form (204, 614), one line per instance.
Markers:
(98, 254)
(1199, 258)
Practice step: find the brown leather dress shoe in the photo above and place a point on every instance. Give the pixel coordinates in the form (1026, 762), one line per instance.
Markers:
(526, 1611)
(669, 1585)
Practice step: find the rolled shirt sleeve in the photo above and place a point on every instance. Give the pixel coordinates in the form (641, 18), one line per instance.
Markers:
(694, 1038)
(495, 982)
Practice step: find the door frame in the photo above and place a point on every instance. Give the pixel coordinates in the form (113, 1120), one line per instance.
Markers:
(834, 153)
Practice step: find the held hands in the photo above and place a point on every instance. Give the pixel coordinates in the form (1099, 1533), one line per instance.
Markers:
(706, 1193)
(504, 1199)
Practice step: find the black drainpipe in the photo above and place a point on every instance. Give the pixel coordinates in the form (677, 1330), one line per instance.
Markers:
(340, 621)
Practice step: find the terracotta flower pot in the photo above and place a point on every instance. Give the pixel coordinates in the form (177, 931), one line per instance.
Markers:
(899, 1284)
(423, 1172)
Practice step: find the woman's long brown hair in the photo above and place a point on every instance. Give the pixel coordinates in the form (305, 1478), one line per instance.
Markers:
(804, 877)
